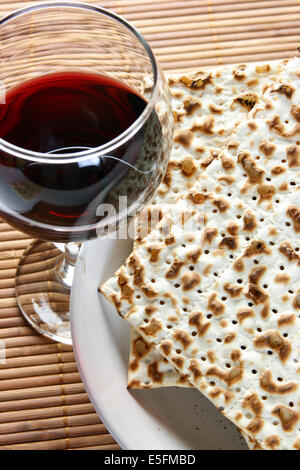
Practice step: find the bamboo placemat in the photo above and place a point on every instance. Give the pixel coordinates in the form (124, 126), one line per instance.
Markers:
(43, 403)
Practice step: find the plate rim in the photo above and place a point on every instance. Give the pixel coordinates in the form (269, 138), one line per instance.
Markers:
(84, 379)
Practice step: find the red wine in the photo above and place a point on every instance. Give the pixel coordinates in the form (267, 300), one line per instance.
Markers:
(63, 113)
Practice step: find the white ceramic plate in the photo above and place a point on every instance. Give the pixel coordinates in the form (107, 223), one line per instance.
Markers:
(167, 418)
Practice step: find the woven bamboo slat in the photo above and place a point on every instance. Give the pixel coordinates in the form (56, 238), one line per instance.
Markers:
(49, 423)
(43, 403)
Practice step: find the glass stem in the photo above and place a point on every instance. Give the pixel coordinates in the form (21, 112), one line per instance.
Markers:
(66, 267)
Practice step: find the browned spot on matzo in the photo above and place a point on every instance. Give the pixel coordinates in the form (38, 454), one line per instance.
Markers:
(286, 90)
(267, 148)
(126, 290)
(197, 81)
(272, 339)
(166, 347)
(245, 313)
(178, 361)
(174, 269)
(221, 204)
(194, 255)
(266, 191)
(256, 247)
(269, 385)
(250, 222)
(256, 274)
(215, 305)
(289, 418)
(231, 377)
(188, 166)
(296, 300)
(247, 100)
(295, 112)
(254, 173)
(238, 265)
(293, 156)
(229, 242)
(253, 403)
(154, 252)
(272, 442)
(195, 369)
(294, 213)
(198, 320)
(210, 234)
(206, 126)
(153, 327)
(190, 280)
(215, 109)
(191, 104)
(282, 278)
(183, 338)
(149, 292)
(233, 290)
(154, 373)
(140, 347)
(150, 309)
(255, 425)
(216, 391)
(256, 294)
(286, 319)
(184, 137)
(229, 337)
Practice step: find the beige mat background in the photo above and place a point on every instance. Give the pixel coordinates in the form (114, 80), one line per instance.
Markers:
(43, 403)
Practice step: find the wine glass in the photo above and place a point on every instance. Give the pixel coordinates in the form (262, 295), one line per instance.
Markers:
(85, 135)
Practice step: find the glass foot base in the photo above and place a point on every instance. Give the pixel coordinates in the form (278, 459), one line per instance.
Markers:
(42, 293)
